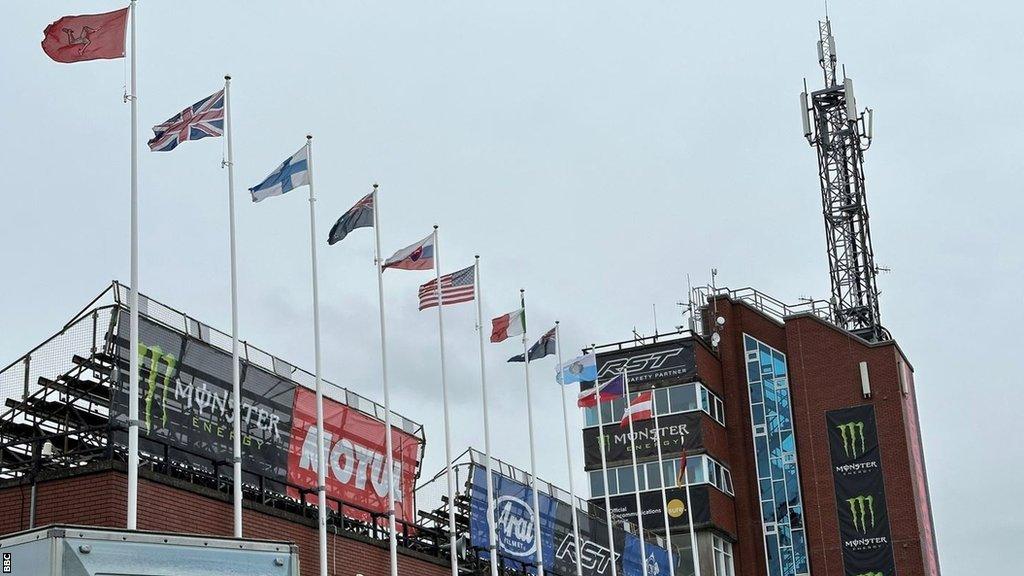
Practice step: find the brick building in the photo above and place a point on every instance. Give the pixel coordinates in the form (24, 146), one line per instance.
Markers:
(748, 394)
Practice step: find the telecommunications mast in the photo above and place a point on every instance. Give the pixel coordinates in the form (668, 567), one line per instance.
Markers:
(841, 134)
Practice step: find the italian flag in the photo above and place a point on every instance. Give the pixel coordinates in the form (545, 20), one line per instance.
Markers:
(507, 325)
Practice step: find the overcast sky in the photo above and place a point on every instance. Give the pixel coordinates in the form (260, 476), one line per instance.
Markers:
(592, 152)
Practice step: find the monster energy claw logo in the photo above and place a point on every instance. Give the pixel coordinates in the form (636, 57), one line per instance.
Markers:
(861, 509)
(852, 432)
(157, 359)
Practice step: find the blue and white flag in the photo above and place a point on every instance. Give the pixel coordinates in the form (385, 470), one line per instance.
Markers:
(657, 558)
(292, 173)
(580, 369)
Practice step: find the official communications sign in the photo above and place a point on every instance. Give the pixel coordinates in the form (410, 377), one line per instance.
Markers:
(860, 491)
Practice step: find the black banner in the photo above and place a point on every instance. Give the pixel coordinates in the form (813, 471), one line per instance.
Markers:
(678, 432)
(185, 402)
(860, 492)
(662, 364)
(624, 506)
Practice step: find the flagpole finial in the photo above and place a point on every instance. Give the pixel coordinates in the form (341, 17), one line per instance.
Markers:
(227, 76)
(435, 226)
(374, 185)
(556, 322)
(477, 257)
(309, 137)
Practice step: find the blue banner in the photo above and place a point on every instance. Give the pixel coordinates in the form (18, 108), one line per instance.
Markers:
(656, 560)
(514, 522)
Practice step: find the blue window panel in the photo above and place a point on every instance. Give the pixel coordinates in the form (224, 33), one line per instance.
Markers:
(787, 560)
(757, 411)
(753, 372)
(756, 393)
(768, 511)
(761, 447)
(749, 343)
(785, 537)
(765, 356)
(799, 552)
(779, 363)
(780, 496)
(765, 486)
(796, 516)
(774, 560)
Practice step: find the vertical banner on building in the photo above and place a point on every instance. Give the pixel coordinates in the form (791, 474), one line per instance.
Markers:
(860, 492)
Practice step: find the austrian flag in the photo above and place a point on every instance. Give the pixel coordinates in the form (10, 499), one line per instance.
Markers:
(508, 325)
(640, 408)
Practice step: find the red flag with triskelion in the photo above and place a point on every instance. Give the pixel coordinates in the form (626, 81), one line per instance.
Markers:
(86, 37)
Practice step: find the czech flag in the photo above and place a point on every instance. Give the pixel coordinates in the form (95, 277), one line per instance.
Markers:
(641, 408)
(610, 390)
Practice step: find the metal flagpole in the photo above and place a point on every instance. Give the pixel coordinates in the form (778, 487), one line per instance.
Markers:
(492, 536)
(568, 458)
(636, 481)
(388, 443)
(533, 448)
(236, 379)
(133, 354)
(449, 472)
(689, 513)
(664, 493)
(321, 459)
(604, 468)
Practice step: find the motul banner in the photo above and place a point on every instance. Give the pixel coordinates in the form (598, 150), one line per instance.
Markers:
(678, 432)
(860, 492)
(356, 456)
(186, 412)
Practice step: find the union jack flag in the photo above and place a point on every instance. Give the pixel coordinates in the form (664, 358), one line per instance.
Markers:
(202, 119)
(455, 288)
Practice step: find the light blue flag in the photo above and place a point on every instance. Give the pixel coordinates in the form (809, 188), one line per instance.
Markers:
(292, 173)
(580, 369)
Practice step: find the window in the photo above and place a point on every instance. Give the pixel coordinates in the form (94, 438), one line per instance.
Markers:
(672, 400)
(776, 459)
(701, 469)
(723, 556)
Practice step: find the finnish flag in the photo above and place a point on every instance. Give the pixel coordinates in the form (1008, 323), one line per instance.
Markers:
(292, 173)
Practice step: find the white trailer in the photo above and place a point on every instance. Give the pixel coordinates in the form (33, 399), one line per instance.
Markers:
(86, 551)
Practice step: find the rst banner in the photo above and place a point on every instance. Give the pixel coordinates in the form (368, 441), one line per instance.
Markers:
(860, 491)
(517, 543)
(679, 515)
(186, 413)
(662, 364)
(678, 432)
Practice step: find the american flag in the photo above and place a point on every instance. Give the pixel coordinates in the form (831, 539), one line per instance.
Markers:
(202, 119)
(455, 288)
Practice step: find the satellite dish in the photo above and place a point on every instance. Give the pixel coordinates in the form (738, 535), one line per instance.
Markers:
(720, 320)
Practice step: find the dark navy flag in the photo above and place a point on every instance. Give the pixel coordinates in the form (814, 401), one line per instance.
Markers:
(543, 347)
(657, 558)
(358, 216)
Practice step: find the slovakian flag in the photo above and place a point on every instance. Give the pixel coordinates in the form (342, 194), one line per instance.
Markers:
(610, 390)
(640, 408)
(202, 119)
(508, 325)
(541, 348)
(358, 216)
(419, 256)
(86, 37)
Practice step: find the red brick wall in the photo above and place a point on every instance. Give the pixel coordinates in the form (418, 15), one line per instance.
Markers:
(825, 375)
(99, 499)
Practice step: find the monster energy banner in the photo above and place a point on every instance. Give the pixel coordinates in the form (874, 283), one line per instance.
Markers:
(860, 492)
(186, 402)
(663, 364)
(678, 432)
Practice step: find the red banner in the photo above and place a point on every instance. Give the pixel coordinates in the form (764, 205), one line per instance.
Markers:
(86, 37)
(355, 448)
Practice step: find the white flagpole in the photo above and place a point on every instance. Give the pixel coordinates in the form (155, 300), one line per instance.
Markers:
(449, 472)
(689, 513)
(321, 459)
(568, 458)
(492, 536)
(236, 378)
(133, 354)
(390, 459)
(604, 468)
(636, 482)
(664, 493)
(533, 447)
